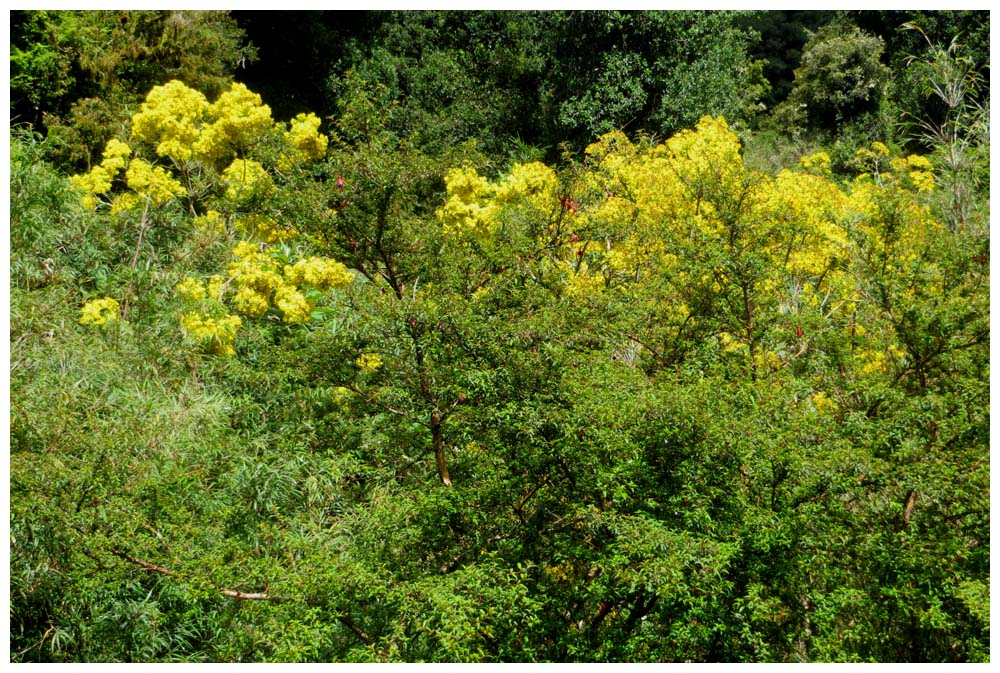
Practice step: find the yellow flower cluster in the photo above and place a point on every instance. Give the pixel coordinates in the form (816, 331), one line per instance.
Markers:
(235, 119)
(293, 304)
(246, 180)
(879, 361)
(211, 222)
(304, 137)
(152, 183)
(258, 279)
(369, 362)
(97, 312)
(823, 404)
(917, 169)
(217, 335)
(100, 177)
(192, 289)
(170, 118)
(535, 183)
(462, 211)
(265, 228)
(182, 124)
(319, 272)
(818, 163)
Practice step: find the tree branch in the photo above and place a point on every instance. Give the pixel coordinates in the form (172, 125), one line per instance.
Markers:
(232, 593)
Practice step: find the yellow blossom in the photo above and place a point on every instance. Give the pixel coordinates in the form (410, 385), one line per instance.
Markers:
(818, 163)
(191, 289)
(216, 334)
(319, 272)
(211, 222)
(304, 136)
(822, 403)
(293, 304)
(97, 312)
(246, 179)
(154, 183)
(368, 362)
(265, 228)
(237, 117)
(250, 302)
(170, 118)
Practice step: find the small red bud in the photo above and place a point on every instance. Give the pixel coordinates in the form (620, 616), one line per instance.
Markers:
(575, 237)
(798, 332)
(413, 323)
(340, 182)
(579, 253)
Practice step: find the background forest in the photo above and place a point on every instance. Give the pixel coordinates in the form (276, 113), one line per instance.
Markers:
(499, 336)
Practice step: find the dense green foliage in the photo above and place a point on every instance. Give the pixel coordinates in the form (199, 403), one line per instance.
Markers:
(710, 384)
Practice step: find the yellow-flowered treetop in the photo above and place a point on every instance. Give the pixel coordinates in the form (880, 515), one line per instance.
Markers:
(665, 223)
(216, 144)
(181, 125)
(234, 121)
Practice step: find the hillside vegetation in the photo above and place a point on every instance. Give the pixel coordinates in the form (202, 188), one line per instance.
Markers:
(499, 336)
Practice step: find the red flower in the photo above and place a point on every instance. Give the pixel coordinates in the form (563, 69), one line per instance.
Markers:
(798, 332)
(340, 182)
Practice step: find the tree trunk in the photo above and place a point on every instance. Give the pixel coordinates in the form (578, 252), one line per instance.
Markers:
(438, 439)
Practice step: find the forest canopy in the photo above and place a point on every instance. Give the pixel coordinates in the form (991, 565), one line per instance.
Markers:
(453, 336)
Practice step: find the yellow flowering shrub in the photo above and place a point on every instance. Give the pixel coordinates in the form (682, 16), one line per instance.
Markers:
(97, 312)
(684, 227)
(262, 282)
